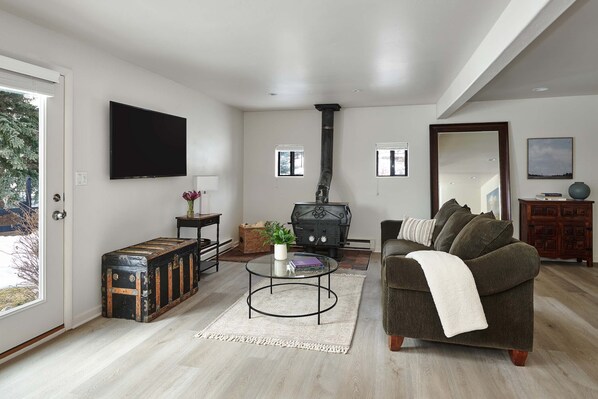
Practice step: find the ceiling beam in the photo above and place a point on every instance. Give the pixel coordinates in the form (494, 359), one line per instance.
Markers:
(519, 24)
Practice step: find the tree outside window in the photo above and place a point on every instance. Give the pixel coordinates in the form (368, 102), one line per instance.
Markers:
(19, 142)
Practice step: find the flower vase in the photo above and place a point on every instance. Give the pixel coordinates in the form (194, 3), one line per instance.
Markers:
(280, 251)
(190, 211)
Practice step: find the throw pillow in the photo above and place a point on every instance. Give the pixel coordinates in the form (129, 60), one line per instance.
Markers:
(444, 213)
(452, 227)
(417, 230)
(481, 236)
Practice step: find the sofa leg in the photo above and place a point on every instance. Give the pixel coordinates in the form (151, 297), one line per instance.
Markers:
(395, 342)
(518, 357)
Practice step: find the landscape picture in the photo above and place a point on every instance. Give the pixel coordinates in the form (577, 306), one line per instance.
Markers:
(550, 158)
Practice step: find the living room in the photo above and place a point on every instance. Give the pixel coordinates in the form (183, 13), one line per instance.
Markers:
(237, 144)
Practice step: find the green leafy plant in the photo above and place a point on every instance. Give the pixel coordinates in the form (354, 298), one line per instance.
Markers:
(276, 233)
(19, 144)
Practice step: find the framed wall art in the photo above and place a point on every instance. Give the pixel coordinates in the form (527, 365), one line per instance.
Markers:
(550, 158)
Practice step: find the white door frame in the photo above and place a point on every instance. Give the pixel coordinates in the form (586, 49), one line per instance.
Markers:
(68, 207)
(68, 194)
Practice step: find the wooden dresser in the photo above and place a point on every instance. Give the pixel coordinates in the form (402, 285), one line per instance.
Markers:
(558, 229)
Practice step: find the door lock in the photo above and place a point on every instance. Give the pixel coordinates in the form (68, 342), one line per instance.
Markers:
(57, 215)
(56, 197)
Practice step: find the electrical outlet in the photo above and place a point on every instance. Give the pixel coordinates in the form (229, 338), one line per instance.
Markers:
(80, 178)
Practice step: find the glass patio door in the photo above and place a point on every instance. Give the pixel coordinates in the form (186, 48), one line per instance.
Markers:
(31, 210)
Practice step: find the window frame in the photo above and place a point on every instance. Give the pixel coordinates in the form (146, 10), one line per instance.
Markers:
(392, 147)
(292, 150)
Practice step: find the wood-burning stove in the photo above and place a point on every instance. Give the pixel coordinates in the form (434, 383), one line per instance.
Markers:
(320, 224)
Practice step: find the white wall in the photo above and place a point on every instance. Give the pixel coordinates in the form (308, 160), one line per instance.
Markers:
(358, 129)
(356, 132)
(112, 214)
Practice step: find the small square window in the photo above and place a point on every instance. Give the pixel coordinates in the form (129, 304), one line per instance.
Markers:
(392, 160)
(289, 161)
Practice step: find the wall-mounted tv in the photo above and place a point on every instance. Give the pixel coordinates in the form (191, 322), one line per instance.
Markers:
(146, 143)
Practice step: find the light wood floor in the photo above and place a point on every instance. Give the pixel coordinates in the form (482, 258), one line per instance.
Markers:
(109, 358)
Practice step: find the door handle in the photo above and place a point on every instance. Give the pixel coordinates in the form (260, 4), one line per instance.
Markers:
(57, 215)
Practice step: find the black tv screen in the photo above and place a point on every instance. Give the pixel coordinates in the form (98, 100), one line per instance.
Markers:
(146, 143)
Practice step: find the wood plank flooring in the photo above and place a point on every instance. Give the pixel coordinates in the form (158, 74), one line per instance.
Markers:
(110, 358)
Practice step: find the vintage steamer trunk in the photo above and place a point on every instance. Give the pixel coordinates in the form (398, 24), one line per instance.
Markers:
(143, 281)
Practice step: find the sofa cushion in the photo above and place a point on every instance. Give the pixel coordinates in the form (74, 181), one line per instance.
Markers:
(481, 236)
(401, 247)
(444, 213)
(417, 230)
(452, 227)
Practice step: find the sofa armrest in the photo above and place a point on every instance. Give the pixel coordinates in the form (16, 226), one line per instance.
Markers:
(403, 273)
(495, 272)
(389, 229)
(505, 267)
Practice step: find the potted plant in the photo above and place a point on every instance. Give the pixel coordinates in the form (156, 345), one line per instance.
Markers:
(279, 236)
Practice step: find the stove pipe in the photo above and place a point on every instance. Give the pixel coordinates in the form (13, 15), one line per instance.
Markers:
(326, 155)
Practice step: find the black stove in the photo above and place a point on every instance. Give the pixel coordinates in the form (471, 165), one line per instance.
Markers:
(321, 225)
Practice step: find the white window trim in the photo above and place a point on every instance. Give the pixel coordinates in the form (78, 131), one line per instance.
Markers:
(286, 148)
(399, 145)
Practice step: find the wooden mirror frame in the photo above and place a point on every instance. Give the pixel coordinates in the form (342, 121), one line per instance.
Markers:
(503, 157)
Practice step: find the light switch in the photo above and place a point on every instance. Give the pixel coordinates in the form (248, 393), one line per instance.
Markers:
(80, 178)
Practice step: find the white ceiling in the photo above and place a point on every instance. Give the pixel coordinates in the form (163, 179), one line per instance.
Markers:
(563, 59)
(351, 52)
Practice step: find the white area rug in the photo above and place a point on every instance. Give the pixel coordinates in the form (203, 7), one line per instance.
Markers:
(334, 334)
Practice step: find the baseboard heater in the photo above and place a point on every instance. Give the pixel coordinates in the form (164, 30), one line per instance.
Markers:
(211, 252)
(360, 243)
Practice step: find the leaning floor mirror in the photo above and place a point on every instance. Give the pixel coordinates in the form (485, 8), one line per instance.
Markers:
(470, 162)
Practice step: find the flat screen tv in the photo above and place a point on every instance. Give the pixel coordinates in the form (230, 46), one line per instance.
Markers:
(146, 143)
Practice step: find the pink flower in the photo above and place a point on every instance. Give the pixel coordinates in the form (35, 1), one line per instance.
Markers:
(191, 195)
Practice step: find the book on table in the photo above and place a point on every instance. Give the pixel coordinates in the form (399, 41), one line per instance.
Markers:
(551, 194)
(307, 262)
(542, 197)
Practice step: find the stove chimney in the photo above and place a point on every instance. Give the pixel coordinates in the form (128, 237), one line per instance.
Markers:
(323, 188)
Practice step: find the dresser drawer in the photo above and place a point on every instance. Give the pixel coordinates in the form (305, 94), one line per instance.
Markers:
(544, 211)
(576, 211)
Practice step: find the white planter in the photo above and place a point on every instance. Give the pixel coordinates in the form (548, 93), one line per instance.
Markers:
(280, 251)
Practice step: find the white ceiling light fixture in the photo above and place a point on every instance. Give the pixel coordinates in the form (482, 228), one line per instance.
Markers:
(540, 89)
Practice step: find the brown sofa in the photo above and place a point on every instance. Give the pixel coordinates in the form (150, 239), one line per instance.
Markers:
(504, 277)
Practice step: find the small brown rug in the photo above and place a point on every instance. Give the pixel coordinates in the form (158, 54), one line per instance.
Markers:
(351, 258)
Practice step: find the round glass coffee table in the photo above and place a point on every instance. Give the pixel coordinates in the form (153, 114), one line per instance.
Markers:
(282, 272)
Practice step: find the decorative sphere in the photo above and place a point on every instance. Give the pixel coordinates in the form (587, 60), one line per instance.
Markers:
(579, 190)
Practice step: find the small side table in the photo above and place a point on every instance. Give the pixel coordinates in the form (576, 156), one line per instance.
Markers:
(199, 221)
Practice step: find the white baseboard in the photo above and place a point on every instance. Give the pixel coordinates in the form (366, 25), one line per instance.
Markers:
(86, 316)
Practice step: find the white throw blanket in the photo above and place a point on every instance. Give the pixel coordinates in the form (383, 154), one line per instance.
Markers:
(454, 292)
